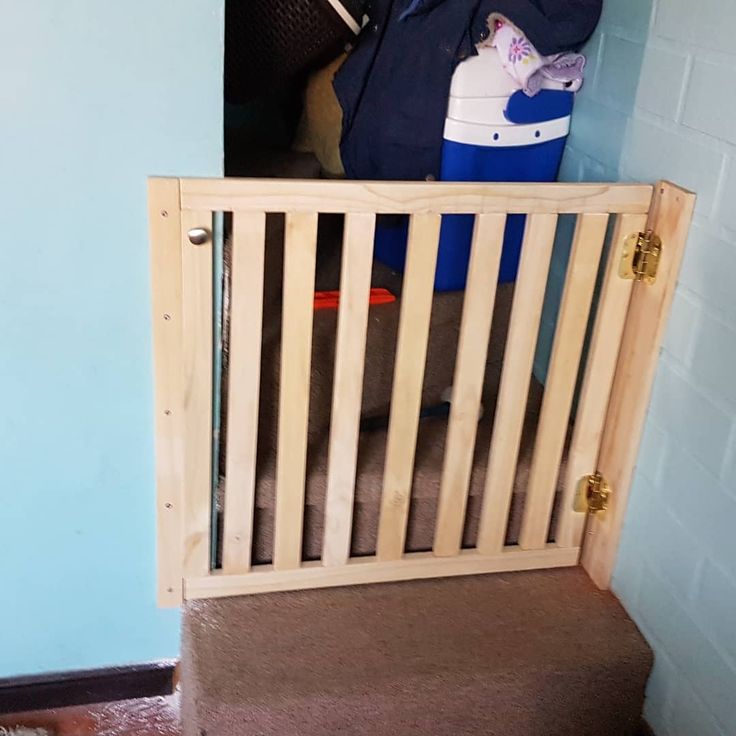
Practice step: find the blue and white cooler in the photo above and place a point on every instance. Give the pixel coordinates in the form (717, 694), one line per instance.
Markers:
(494, 132)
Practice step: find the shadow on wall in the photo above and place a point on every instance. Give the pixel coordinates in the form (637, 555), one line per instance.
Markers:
(602, 111)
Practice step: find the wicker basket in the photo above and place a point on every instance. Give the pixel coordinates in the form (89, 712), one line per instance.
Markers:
(269, 42)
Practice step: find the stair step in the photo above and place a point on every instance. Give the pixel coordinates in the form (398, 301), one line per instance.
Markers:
(369, 487)
(519, 654)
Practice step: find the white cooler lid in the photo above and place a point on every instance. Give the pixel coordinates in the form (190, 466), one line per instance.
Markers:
(483, 110)
(483, 76)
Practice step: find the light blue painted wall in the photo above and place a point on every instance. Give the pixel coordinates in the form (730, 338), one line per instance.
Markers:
(675, 118)
(95, 96)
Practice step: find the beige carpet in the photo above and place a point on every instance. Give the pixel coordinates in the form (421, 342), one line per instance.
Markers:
(523, 654)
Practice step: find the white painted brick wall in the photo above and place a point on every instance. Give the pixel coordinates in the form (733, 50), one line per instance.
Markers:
(660, 102)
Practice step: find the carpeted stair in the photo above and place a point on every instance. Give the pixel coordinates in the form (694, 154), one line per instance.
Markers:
(523, 654)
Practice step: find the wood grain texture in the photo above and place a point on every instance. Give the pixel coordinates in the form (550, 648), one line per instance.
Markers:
(244, 379)
(671, 215)
(352, 328)
(365, 570)
(292, 195)
(300, 250)
(411, 353)
(564, 366)
(165, 235)
(605, 344)
(513, 394)
(197, 362)
(475, 328)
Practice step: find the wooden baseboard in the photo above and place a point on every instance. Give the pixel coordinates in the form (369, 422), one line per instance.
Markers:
(58, 690)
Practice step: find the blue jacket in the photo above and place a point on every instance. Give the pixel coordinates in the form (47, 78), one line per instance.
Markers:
(394, 86)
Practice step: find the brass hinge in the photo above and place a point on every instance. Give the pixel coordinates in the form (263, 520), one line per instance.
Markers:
(640, 259)
(593, 495)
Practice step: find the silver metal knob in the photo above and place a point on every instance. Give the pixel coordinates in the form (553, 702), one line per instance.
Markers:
(199, 236)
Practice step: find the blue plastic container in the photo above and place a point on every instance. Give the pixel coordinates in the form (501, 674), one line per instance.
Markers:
(465, 162)
(491, 138)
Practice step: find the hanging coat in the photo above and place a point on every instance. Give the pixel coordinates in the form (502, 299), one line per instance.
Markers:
(393, 88)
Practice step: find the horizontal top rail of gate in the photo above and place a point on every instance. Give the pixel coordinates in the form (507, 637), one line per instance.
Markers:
(293, 195)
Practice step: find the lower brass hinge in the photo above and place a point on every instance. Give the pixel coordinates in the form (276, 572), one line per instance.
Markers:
(640, 259)
(593, 495)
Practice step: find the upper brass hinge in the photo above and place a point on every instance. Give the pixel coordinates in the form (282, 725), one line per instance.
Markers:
(593, 495)
(640, 259)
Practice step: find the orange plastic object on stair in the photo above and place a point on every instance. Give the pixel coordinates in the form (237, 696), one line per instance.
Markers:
(331, 299)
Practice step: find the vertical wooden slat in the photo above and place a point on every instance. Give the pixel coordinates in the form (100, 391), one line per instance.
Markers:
(197, 363)
(352, 326)
(564, 367)
(670, 218)
(480, 294)
(244, 378)
(300, 250)
(514, 390)
(165, 235)
(411, 354)
(596, 390)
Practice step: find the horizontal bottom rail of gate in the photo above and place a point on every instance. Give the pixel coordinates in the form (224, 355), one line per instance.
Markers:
(363, 570)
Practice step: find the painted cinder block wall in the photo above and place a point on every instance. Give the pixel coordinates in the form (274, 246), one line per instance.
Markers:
(95, 97)
(660, 102)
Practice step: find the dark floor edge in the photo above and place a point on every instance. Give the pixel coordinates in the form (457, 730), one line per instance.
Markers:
(645, 729)
(61, 689)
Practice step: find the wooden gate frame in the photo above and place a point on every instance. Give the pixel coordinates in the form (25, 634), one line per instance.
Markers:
(633, 329)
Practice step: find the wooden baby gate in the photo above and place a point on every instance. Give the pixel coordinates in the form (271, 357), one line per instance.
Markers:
(609, 412)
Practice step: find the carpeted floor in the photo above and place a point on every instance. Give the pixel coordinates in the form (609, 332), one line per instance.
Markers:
(145, 717)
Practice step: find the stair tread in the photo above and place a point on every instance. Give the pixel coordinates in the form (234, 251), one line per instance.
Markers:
(427, 466)
(491, 639)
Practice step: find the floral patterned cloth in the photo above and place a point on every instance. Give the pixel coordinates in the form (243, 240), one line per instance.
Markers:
(518, 56)
(528, 67)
